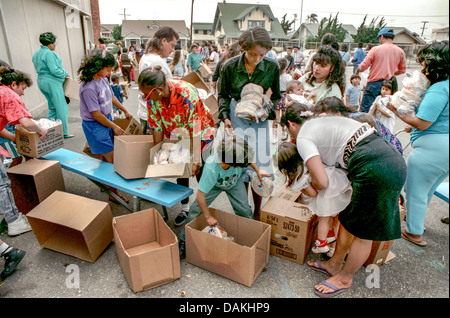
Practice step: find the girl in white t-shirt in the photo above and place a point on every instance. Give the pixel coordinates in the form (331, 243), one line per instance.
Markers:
(326, 203)
(379, 109)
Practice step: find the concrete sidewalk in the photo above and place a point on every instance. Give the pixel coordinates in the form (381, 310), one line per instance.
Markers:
(414, 272)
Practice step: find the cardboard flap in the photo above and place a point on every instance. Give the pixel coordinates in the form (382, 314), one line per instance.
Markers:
(289, 209)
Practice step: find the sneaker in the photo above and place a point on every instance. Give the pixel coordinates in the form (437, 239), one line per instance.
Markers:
(19, 226)
(181, 218)
(12, 256)
(331, 237)
(321, 247)
(331, 252)
(182, 247)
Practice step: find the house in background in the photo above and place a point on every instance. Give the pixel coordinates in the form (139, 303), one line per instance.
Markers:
(440, 34)
(232, 19)
(140, 31)
(403, 36)
(106, 31)
(201, 31)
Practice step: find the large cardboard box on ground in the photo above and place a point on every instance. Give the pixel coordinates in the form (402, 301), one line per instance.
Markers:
(210, 101)
(380, 253)
(33, 181)
(72, 88)
(29, 144)
(294, 227)
(147, 250)
(242, 260)
(132, 155)
(73, 225)
(174, 170)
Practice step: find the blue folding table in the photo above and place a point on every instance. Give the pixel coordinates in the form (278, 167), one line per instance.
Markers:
(159, 191)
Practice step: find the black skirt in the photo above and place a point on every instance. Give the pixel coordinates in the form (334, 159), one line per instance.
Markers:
(377, 172)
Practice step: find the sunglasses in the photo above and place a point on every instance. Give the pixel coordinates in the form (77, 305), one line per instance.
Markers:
(147, 98)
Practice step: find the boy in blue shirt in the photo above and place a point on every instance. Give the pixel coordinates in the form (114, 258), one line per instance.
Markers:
(118, 92)
(353, 92)
(223, 172)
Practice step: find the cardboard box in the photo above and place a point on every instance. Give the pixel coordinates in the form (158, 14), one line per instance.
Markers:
(211, 101)
(131, 126)
(72, 225)
(29, 144)
(178, 170)
(72, 88)
(205, 70)
(380, 253)
(147, 250)
(132, 155)
(33, 181)
(242, 260)
(294, 227)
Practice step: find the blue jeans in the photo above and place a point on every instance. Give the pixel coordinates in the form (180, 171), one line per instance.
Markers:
(372, 90)
(427, 169)
(7, 203)
(238, 198)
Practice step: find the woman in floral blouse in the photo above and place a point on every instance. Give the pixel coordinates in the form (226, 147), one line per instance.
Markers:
(176, 111)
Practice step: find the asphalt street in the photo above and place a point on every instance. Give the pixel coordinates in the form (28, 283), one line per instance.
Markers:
(415, 272)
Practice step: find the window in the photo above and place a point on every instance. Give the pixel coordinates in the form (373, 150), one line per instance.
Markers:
(256, 23)
(205, 32)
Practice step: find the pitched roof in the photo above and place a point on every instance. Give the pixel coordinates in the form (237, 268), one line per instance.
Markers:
(147, 28)
(228, 15)
(108, 27)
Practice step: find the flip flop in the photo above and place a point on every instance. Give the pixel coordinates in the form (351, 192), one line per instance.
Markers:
(319, 269)
(420, 243)
(68, 136)
(336, 291)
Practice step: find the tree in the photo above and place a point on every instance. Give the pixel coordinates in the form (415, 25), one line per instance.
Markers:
(117, 32)
(368, 33)
(330, 25)
(312, 18)
(286, 24)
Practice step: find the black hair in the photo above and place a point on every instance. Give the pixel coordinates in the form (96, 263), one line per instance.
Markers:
(391, 84)
(152, 77)
(253, 37)
(96, 61)
(330, 105)
(328, 39)
(354, 76)
(47, 38)
(283, 64)
(289, 160)
(100, 40)
(328, 55)
(9, 75)
(235, 152)
(435, 55)
(292, 114)
(114, 78)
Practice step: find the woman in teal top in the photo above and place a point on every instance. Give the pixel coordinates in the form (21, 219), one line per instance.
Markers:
(428, 162)
(51, 77)
(194, 59)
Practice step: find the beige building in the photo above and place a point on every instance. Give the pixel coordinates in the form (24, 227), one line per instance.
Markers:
(21, 23)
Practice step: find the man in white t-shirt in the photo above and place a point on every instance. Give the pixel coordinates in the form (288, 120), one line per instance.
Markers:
(298, 57)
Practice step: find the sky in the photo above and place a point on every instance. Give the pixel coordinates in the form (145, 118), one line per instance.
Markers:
(397, 13)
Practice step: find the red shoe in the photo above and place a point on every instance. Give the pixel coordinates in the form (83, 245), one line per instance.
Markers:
(321, 247)
(331, 237)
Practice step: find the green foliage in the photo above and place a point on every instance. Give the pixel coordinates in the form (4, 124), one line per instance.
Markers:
(330, 25)
(117, 32)
(368, 33)
(286, 24)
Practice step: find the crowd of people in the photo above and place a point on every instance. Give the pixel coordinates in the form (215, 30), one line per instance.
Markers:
(338, 149)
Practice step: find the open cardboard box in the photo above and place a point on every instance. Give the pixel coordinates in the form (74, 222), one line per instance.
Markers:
(294, 227)
(72, 225)
(242, 260)
(29, 144)
(33, 181)
(147, 250)
(177, 170)
(211, 101)
(131, 155)
(131, 126)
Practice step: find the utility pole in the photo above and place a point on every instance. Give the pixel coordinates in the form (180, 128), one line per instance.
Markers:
(423, 28)
(300, 27)
(192, 16)
(124, 13)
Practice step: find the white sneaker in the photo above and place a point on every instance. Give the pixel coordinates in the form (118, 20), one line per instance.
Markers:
(19, 226)
(320, 249)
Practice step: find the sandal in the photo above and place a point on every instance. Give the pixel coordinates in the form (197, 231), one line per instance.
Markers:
(419, 242)
(68, 136)
(319, 268)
